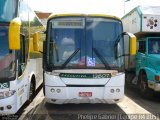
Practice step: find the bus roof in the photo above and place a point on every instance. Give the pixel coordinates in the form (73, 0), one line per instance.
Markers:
(76, 15)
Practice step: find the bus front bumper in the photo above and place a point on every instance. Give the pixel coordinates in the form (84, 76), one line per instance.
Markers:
(64, 95)
(8, 105)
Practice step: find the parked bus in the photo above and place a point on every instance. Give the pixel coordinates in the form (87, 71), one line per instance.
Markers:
(20, 59)
(83, 59)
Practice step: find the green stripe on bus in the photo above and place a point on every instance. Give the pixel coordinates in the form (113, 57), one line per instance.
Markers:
(76, 75)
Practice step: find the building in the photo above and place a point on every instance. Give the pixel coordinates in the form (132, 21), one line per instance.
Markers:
(43, 16)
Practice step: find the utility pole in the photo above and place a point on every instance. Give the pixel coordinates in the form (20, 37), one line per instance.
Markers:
(124, 5)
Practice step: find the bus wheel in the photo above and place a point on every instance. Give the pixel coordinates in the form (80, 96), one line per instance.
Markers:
(31, 91)
(145, 91)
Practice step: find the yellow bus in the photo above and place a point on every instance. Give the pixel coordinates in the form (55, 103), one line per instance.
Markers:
(83, 59)
(20, 59)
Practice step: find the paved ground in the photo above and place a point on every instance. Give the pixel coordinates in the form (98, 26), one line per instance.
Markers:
(132, 107)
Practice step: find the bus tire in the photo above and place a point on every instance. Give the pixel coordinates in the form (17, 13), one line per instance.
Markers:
(31, 90)
(145, 91)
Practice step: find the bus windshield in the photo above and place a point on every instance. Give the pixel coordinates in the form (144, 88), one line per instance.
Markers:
(76, 42)
(7, 57)
(8, 10)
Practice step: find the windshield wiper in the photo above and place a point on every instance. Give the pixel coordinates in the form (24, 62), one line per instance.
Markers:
(101, 58)
(69, 59)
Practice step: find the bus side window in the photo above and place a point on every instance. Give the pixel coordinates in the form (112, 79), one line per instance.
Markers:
(21, 56)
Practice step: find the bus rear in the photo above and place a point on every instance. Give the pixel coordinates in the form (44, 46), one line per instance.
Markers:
(80, 63)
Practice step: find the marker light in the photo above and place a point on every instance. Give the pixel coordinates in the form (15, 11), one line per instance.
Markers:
(156, 77)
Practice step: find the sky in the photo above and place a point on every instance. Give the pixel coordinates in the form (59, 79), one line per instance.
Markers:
(112, 7)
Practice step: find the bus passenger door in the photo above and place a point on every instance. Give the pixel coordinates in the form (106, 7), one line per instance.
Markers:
(21, 57)
(22, 78)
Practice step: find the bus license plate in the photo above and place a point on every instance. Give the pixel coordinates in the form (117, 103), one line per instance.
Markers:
(85, 94)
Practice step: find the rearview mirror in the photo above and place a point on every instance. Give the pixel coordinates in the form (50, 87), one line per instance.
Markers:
(14, 34)
(116, 50)
(35, 41)
(132, 43)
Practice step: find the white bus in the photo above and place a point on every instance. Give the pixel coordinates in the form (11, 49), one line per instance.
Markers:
(83, 59)
(20, 62)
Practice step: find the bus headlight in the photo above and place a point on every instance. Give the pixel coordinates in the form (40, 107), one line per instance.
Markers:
(52, 90)
(117, 90)
(58, 90)
(112, 90)
(6, 94)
